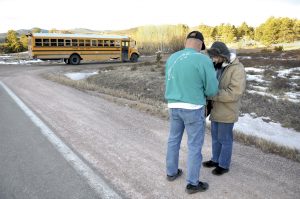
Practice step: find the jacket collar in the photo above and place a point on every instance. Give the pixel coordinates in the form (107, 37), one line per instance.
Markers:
(233, 58)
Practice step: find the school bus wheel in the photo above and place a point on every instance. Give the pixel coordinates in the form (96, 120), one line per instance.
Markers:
(74, 59)
(134, 57)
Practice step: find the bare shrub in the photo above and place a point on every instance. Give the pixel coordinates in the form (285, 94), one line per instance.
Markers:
(266, 50)
(147, 48)
(269, 73)
(278, 48)
(279, 84)
(251, 72)
(158, 56)
(177, 43)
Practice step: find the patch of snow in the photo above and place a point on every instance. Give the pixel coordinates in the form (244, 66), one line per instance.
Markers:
(259, 88)
(283, 59)
(253, 115)
(257, 78)
(263, 94)
(292, 97)
(257, 70)
(245, 57)
(285, 72)
(295, 77)
(293, 84)
(22, 62)
(270, 131)
(80, 76)
(5, 56)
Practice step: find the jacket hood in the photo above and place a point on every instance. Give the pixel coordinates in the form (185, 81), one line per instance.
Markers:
(232, 59)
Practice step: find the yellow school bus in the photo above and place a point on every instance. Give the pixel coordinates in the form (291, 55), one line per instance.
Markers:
(72, 48)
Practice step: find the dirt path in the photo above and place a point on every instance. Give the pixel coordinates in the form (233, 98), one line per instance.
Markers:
(127, 147)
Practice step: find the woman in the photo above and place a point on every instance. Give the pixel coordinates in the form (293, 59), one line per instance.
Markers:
(225, 105)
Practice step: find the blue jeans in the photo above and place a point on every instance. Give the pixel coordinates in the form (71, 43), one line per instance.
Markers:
(222, 142)
(194, 122)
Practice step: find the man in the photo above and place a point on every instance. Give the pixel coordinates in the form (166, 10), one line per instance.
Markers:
(190, 77)
(225, 105)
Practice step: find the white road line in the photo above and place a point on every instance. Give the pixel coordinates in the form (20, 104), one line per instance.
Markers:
(97, 183)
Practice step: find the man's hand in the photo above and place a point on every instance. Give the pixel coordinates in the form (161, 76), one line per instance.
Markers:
(208, 108)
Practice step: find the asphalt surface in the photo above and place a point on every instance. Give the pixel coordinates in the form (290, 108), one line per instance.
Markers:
(30, 167)
(127, 147)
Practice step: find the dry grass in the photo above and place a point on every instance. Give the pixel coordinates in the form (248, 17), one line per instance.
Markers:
(267, 146)
(269, 73)
(279, 85)
(118, 96)
(141, 86)
(284, 112)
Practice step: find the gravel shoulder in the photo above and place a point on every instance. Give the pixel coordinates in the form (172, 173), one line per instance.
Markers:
(127, 147)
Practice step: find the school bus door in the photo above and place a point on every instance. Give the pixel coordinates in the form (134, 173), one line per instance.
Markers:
(125, 47)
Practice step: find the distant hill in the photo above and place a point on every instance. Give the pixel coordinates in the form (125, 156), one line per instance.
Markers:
(80, 31)
(19, 32)
(86, 31)
(128, 32)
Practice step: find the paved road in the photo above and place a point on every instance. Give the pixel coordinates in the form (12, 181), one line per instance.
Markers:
(30, 167)
(127, 147)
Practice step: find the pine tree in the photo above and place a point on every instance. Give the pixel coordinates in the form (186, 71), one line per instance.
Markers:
(296, 29)
(277, 30)
(226, 33)
(208, 32)
(286, 33)
(245, 31)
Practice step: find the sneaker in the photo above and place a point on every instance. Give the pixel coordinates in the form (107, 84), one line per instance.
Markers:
(219, 171)
(172, 178)
(201, 187)
(210, 164)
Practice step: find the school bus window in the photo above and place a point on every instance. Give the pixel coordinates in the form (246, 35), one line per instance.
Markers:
(112, 43)
(38, 42)
(60, 42)
(106, 42)
(68, 42)
(117, 43)
(53, 42)
(94, 42)
(81, 42)
(100, 42)
(74, 42)
(45, 42)
(87, 42)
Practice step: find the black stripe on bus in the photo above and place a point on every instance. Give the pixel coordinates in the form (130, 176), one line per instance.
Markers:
(40, 55)
(75, 50)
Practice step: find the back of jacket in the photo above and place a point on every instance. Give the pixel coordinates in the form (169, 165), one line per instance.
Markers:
(190, 77)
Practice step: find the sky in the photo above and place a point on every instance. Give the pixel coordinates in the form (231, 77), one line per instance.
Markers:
(124, 14)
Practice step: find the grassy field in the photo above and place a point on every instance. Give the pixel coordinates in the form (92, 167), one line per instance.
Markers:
(141, 85)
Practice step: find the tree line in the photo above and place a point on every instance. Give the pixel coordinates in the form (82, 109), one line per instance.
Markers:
(169, 38)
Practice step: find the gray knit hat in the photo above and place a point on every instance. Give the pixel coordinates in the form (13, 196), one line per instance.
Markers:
(219, 49)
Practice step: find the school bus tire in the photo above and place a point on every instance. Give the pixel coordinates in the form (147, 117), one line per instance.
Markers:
(134, 57)
(74, 59)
